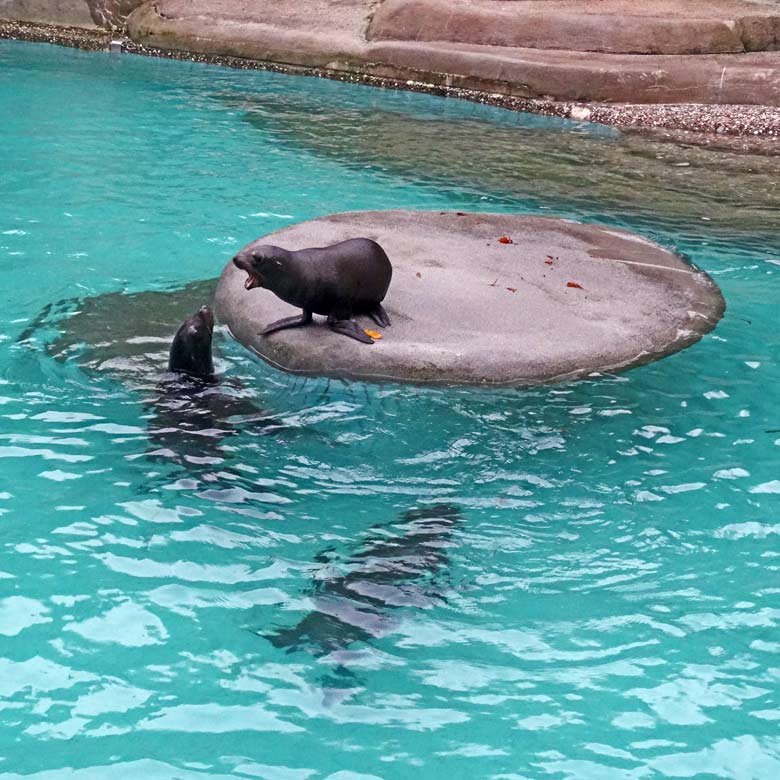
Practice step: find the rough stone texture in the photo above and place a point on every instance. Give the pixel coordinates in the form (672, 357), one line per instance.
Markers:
(613, 78)
(617, 26)
(87, 38)
(106, 14)
(748, 129)
(275, 31)
(467, 309)
(112, 13)
(724, 126)
(64, 12)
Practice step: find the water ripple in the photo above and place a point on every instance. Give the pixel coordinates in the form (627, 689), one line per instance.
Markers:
(347, 582)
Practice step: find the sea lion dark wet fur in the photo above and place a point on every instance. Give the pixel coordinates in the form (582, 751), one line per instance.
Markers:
(191, 347)
(339, 281)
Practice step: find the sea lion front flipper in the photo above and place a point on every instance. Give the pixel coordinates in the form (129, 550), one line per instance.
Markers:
(287, 322)
(350, 328)
(379, 316)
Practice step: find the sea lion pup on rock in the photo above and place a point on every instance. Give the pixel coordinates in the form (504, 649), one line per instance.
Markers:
(340, 280)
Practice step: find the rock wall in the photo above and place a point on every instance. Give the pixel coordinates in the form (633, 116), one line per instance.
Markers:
(610, 26)
(106, 14)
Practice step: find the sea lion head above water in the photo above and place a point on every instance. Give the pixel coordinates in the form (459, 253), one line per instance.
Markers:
(191, 348)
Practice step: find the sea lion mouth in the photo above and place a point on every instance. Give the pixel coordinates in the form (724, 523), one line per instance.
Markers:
(251, 282)
(252, 278)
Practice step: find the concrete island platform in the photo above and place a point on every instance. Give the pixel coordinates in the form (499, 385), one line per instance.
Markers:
(487, 299)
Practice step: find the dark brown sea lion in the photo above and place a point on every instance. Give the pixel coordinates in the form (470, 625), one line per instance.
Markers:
(193, 410)
(340, 280)
(191, 347)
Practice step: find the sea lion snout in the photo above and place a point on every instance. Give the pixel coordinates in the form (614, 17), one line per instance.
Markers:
(244, 262)
(249, 263)
(206, 316)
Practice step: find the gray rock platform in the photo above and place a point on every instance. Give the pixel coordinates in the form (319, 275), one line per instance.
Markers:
(468, 309)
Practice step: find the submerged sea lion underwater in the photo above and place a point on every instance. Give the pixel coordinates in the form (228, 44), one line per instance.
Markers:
(396, 567)
(338, 281)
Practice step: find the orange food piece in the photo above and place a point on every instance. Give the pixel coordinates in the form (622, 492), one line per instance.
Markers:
(575, 285)
(504, 240)
(372, 333)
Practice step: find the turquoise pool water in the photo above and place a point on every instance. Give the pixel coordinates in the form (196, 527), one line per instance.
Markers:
(368, 582)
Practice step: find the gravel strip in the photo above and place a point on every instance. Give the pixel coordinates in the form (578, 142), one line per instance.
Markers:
(732, 127)
(74, 37)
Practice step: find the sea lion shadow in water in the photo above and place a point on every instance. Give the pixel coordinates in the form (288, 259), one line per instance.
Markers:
(396, 567)
(99, 332)
(340, 280)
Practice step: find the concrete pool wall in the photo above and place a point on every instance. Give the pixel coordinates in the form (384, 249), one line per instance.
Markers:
(706, 66)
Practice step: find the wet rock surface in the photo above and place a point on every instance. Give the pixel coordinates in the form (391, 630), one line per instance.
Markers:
(554, 300)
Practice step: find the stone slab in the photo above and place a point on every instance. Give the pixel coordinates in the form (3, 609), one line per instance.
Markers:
(614, 26)
(470, 310)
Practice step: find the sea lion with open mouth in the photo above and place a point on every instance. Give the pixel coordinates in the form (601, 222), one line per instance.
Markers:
(339, 281)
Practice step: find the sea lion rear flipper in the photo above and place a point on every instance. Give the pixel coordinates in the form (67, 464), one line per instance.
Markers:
(350, 328)
(379, 316)
(287, 322)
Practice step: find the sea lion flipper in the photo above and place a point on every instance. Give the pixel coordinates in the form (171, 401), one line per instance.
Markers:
(379, 316)
(350, 328)
(287, 322)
